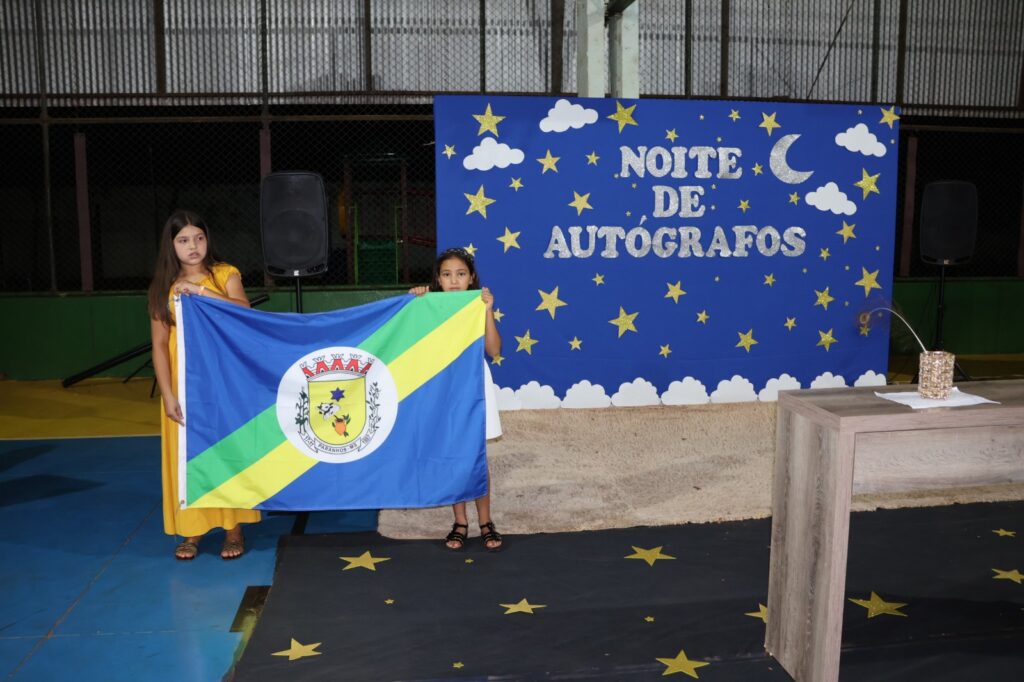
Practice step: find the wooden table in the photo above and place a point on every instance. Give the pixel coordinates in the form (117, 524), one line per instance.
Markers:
(833, 443)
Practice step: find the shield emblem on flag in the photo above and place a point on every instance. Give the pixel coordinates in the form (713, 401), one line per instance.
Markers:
(337, 411)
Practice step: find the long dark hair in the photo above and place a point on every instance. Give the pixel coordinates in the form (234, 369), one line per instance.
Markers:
(168, 267)
(462, 255)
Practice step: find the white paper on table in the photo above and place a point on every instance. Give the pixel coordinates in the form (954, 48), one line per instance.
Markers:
(957, 398)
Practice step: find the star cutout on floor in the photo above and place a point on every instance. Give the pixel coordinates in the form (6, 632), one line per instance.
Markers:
(458, 665)
(877, 606)
(675, 291)
(665, 350)
(1014, 575)
(389, 602)
(868, 281)
(734, 115)
(1005, 533)
(744, 205)
(548, 162)
(826, 339)
(624, 321)
(789, 323)
(648, 555)
(478, 202)
(449, 151)
(592, 158)
(623, 115)
(525, 343)
(522, 606)
(769, 279)
(469, 561)
(868, 183)
(498, 315)
(746, 340)
(847, 232)
(823, 298)
(762, 613)
(510, 239)
(703, 316)
(297, 651)
(488, 122)
(889, 116)
(768, 123)
(580, 202)
(681, 664)
(576, 343)
(498, 359)
(598, 279)
(550, 302)
(794, 198)
(517, 184)
(364, 560)
(337, 394)
(649, 619)
(824, 254)
(758, 169)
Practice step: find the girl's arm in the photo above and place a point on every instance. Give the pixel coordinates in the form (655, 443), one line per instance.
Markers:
(236, 292)
(492, 339)
(160, 333)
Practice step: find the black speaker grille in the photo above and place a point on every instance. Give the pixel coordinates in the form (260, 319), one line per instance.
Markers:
(293, 224)
(949, 222)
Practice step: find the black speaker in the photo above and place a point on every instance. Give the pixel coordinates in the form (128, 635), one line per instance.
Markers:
(293, 224)
(949, 222)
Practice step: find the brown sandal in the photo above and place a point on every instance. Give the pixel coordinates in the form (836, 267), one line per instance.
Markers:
(232, 546)
(186, 551)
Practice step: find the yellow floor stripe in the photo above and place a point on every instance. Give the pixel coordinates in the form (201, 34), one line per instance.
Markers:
(438, 349)
(268, 476)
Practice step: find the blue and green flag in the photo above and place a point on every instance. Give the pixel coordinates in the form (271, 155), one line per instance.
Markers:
(377, 406)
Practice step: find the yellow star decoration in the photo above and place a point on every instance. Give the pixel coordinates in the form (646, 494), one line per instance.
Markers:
(867, 183)
(364, 560)
(624, 321)
(675, 291)
(449, 151)
(470, 249)
(509, 239)
(488, 122)
(847, 232)
(648, 555)
(769, 279)
(517, 184)
(823, 298)
(522, 606)
(665, 350)
(826, 339)
(762, 613)
(458, 665)
(623, 115)
(864, 330)
(389, 602)
(580, 202)
(758, 169)
(297, 651)
(794, 198)
(877, 606)
(1003, 533)
(789, 323)
(734, 115)
(867, 281)
(550, 302)
(744, 205)
(598, 279)
(703, 316)
(576, 343)
(681, 664)
(671, 135)
(478, 202)
(649, 619)
(548, 162)
(746, 340)
(768, 123)
(525, 343)
(498, 315)
(1014, 575)
(592, 158)
(824, 254)
(889, 116)
(498, 359)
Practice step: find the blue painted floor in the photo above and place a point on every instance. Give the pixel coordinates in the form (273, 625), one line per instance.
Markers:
(91, 590)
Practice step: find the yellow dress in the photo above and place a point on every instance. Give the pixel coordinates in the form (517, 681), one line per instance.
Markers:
(190, 522)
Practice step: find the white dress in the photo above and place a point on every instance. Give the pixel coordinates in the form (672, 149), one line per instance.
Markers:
(493, 429)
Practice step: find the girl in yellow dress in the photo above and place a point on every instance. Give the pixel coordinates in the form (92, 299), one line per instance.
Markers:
(186, 266)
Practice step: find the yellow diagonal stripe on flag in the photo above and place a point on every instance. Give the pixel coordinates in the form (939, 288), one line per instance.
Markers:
(266, 477)
(438, 349)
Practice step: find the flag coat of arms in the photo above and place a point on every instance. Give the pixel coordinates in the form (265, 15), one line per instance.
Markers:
(377, 406)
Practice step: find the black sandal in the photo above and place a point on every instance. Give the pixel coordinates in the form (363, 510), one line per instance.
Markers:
(456, 536)
(489, 534)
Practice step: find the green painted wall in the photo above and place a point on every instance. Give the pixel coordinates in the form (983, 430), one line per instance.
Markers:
(53, 337)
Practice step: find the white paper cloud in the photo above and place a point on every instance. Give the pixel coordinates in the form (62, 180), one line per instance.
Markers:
(860, 139)
(636, 393)
(870, 378)
(565, 115)
(689, 391)
(533, 396)
(508, 400)
(830, 198)
(770, 392)
(828, 380)
(490, 154)
(586, 394)
(735, 390)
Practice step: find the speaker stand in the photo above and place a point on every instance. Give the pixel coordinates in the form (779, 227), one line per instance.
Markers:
(298, 294)
(940, 312)
(301, 518)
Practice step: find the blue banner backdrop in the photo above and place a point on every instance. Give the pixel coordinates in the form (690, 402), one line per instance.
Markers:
(673, 245)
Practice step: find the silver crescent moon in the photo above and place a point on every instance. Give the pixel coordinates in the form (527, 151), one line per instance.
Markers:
(777, 161)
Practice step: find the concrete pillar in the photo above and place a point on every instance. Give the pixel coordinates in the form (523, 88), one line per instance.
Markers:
(624, 55)
(590, 46)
